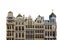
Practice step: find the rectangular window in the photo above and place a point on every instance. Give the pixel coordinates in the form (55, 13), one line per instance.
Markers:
(39, 36)
(54, 33)
(39, 31)
(30, 31)
(12, 38)
(16, 35)
(19, 28)
(26, 26)
(22, 27)
(8, 38)
(46, 27)
(8, 33)
(29, 36)
(12, 33)
(16, 23)
(22, 23)
(45, 38)
(46, 33)
(23, 35)
(16, 28)
(32, 26)
(29, 26)
(37, 26)
(19, 34)
(50, 33)
(50, 26)
(8, 26)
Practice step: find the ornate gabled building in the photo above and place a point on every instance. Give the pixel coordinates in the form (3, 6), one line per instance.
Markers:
(22, 28)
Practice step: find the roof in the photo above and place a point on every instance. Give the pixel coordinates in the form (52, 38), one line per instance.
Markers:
(10, 12)
(19, 15)
(39, 16)
(52, 15)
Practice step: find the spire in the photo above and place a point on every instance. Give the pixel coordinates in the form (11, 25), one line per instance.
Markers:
(19, 15)
(52, 10)
(52, 14)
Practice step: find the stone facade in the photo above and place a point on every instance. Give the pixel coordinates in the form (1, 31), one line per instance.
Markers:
(24, 28)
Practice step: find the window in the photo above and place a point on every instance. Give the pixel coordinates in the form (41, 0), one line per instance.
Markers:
(48, 26)
(45, 26)
(29, 26)
(8, 38)
(12, 38)
(39, 31)
(38, 21)
(19, 23)
(12, 33)
(42, 27)
(29, 36)
(16, 23)
(8, 26)
(16, 35)
(26, 26)
(39, 36)
(54, 33)
(46, 33)
(19, 34)
(22, 34)
(19, 28)
(33, 26)
(30, 31)
(22, 23)
(8, 33)
(22, 27)
(50, 33)
(37, 26)
(45, 38)
(16, 28)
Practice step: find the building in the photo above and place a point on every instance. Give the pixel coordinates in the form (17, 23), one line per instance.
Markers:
(24, 28)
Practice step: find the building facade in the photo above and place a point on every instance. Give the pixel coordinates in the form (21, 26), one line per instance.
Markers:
(24, 28)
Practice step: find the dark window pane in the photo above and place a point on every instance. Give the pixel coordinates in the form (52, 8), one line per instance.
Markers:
(16, 35)
(16, 28)
(19, 34)
(22, 34)
(22, 28)
(19, 28)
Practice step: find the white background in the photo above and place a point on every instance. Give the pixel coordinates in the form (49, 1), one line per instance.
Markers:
(28, 7)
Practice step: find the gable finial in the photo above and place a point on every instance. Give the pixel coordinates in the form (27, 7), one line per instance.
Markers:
(52, 10)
